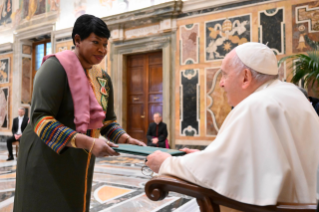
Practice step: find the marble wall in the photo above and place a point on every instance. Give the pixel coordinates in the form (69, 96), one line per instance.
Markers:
(272, 29)
(195, 44)
(189, 44)
(287, 27)
(26, 81)
(225, 34)
(189, 90)
(305, 26)
(6, 61)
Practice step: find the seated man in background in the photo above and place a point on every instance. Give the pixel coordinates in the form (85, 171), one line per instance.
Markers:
(267, 150)
(157, 132)
(18, 126)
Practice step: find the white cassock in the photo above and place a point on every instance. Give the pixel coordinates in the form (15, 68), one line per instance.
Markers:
(265, 152)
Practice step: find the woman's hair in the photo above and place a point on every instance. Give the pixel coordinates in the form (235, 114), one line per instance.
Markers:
(86, 24)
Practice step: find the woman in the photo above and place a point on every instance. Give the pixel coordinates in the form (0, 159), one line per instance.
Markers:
(72, 105)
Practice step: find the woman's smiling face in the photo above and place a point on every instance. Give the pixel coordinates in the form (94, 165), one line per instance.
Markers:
(92, 49)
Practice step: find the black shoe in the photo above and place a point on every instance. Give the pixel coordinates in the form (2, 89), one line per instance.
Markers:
(10, 158)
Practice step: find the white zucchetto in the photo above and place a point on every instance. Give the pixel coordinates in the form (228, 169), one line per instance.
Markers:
(259, 57)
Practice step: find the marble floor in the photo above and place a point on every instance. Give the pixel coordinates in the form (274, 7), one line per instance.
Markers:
(118, 186)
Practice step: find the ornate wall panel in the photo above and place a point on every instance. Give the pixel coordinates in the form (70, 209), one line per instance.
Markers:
(305, 26)
(272, 29)
(189, 44)
(4, 70)
(189, 90)
(217, 107)
(26, 81)
(4, 108)
(225, 34)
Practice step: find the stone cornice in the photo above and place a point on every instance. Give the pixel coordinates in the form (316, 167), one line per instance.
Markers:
(34, 31)
(63, 33)
(193, 5)
(6, 47)
(37, 21)
(144, 16)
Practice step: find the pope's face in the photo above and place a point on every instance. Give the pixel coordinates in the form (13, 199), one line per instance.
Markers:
(230, 80)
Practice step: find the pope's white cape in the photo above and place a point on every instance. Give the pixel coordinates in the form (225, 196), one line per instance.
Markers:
(265, 152)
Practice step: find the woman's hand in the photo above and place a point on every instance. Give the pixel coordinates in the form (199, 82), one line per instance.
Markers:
(188, 151)
(135, 142)
(101, 148)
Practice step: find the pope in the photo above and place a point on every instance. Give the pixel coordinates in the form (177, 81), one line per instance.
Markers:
(267, 148)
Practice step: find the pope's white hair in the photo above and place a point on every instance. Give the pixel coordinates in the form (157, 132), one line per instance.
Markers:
(258, 77)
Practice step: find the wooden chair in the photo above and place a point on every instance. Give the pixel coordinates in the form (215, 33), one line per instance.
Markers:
(16, 143)
(208, 200)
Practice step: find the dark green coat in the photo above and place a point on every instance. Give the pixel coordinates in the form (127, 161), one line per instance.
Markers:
(48, 181)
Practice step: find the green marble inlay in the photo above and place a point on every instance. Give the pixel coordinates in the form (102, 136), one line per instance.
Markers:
(189, 72)
(259, 40)
(189, 133)
(284, 29)
(271, 11)
(189, 26)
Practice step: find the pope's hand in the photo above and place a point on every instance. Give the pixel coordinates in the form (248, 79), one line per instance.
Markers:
(101, 148)
(135, 142)
(155, 160)
(188, 151)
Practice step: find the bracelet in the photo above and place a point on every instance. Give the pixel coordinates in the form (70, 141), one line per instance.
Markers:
(128, 137)
(92, 145)
(73, 141)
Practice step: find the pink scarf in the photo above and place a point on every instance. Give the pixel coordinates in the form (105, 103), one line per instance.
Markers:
(88, 113)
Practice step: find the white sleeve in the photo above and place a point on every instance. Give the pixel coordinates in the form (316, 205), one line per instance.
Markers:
(173, 166)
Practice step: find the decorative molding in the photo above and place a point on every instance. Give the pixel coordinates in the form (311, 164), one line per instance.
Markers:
(6, 47)
(62, 34)
(142, 32)
(146, 16)
(194, 5)
(44, 19)
(197, 8)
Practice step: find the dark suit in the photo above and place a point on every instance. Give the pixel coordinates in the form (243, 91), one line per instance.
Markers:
(15, 129)
(157, 131)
